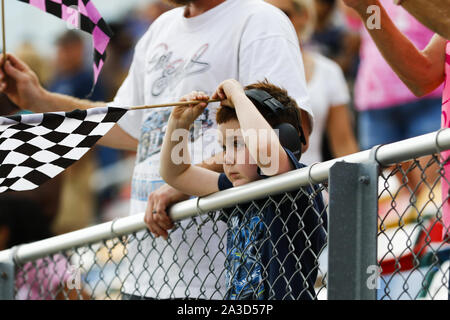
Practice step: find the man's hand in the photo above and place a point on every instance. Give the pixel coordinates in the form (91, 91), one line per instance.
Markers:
(156, 217)
(21, 85)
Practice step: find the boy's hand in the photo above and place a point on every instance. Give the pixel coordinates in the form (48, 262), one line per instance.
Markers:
(227, 91)
(185, 115)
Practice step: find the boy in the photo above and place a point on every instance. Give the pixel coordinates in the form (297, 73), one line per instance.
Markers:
(272, 251)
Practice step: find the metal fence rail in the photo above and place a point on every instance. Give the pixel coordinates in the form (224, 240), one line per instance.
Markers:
(411, 260)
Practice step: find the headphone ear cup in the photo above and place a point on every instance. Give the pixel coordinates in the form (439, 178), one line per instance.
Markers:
(289, 138)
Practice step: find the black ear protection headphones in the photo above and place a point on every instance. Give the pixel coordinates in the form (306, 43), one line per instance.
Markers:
(288, 134)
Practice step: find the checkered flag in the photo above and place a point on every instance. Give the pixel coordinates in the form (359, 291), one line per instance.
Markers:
(84, 15)
(36, 147)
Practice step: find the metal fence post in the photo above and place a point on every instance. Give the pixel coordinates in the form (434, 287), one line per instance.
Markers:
(7, 277)
(352, 263)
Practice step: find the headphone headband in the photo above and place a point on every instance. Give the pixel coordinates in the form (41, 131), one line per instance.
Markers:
(266, 99)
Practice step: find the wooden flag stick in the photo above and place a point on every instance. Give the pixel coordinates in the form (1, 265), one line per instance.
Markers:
(3, 31)
(173, 104)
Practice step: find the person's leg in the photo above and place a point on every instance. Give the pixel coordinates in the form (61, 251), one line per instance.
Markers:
(377, 127)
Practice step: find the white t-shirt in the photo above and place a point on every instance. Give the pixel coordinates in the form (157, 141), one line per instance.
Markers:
(248, 40)
(327, 88)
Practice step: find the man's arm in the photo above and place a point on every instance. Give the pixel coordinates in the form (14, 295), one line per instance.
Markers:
(22, 87)
(435, 14)
(118, 138)
(115, 138)
(421, 71)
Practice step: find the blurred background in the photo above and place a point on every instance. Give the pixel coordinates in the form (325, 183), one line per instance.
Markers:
(47, 28)
(96, 188)
(347, 78)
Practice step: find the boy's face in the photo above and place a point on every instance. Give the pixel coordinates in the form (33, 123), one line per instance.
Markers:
(239, 167)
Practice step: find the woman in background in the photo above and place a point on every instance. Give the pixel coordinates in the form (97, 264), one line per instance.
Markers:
(327, 89)
(422, 71)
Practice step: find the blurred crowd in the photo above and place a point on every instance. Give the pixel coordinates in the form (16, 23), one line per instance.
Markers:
(351, 86)
(96, 188)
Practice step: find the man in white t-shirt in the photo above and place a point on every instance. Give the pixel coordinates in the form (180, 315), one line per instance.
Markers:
(194, 47)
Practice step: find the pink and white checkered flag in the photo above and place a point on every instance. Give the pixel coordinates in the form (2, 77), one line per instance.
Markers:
(84, 15)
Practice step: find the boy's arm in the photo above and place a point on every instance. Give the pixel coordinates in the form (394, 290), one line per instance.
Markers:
(176, 168)
(261, 140)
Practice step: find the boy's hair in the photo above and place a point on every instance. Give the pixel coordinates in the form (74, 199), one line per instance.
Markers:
(290, 114)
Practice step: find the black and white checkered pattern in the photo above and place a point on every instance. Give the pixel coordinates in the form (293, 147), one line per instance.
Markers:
(35, 148)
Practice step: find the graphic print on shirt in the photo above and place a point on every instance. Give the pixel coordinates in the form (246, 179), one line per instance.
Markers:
(152, 134)
(154, 128)
(172, 69)
(243, 264)
(167, 71)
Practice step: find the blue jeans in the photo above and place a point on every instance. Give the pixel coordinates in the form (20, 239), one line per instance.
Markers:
(399, 122)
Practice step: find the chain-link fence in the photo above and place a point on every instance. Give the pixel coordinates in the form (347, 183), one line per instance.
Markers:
(413, 257)
(270, 251)
(268, 240)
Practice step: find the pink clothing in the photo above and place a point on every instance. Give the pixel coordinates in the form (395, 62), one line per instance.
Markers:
(377, 86)
(43, 279)
(446, 154)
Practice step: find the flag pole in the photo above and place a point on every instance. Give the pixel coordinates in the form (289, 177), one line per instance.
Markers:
(173, 104)
(3, 32)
